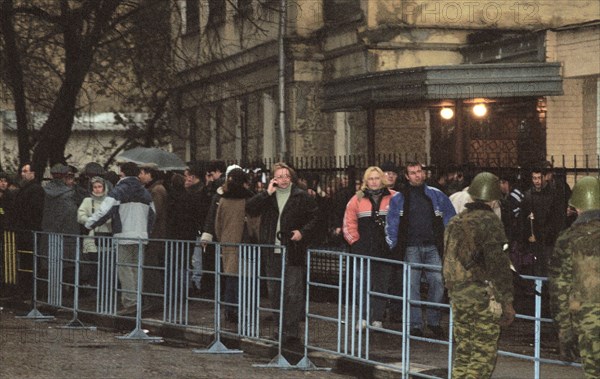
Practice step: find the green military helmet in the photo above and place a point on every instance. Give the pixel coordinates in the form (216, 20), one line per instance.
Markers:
(586, 194)
(485, 186)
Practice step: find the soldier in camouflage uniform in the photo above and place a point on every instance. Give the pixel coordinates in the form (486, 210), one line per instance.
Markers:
(575, 279)
(477, 275)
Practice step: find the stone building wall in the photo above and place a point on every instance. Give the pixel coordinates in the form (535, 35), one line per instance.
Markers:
(573, 119)
(310, 134)
(402, 131)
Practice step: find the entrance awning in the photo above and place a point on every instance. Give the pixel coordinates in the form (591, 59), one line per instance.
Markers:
(468, 81)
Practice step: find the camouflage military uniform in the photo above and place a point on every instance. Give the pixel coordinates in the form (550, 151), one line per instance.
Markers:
(487, 273)
(575, 288)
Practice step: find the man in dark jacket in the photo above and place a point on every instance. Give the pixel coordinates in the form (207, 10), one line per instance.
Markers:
(288, 217)
(27, 217)
(4, 205)
(414, 231)
(186, 218)
(543, 219)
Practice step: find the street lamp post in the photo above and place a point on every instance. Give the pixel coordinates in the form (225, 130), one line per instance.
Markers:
(282, 27)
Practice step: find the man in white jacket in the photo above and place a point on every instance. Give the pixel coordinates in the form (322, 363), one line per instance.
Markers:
(131, 209)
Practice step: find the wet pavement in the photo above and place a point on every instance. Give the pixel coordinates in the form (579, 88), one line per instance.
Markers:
(43, 350)
(34, 349)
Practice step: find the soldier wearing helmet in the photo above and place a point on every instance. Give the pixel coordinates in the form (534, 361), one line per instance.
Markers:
(477, 274)
(574, 275)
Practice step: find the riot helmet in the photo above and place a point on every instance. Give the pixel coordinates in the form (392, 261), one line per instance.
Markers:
(586, 194)
(485, 186)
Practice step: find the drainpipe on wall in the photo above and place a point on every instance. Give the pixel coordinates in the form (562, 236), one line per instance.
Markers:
(282, 27)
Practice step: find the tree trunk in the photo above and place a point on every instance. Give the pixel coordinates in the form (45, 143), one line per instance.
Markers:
(15, 78)
(79, 54)
(56, 131)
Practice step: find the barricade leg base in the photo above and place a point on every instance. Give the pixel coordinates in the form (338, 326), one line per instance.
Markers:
(217, 347)
(138, 334)
(34, 314)
(278, 362)
(306, 364)
(75, 323)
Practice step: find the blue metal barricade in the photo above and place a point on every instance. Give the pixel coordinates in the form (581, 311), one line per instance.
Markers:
(342, 326)
(351, 338)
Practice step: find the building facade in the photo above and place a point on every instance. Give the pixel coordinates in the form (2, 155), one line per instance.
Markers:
(372, 77)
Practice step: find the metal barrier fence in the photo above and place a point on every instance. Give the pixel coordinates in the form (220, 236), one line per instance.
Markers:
(354, 336)
(12, 258)
(58, 283)
(343, 327)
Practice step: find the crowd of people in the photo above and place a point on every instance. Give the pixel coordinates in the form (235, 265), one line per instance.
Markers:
(472, 224)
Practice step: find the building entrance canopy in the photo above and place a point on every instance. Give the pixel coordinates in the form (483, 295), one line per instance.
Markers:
(468, 81)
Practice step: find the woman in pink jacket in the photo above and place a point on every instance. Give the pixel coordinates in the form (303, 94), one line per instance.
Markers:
(364, 229)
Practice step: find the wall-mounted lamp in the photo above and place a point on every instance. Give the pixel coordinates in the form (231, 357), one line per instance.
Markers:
(479, 110)
(447, 113)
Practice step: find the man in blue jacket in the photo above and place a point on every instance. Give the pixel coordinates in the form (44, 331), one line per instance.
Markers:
(414, 230)
(131, 209)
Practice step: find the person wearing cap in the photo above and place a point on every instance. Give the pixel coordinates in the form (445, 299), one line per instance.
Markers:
(574, 273)
(151, 178)
(208, 229)
(390, 171)
(213, 179)
(476, 270)
(131, 209)
(562, 192)
(60, 214)
(186, 218)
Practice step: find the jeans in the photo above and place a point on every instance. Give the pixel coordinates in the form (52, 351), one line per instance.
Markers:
(425, 254)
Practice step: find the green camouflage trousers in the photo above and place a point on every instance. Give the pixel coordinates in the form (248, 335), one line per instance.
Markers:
(587, 327)
(476, 333)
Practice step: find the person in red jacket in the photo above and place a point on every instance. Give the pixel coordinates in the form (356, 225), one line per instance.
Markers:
(364, 229)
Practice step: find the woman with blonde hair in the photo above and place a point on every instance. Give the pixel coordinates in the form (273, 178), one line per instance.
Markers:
(364, 230)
